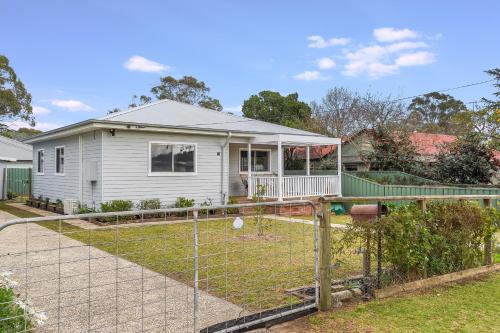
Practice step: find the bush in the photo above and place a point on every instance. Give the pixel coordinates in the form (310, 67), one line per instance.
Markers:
(149, 205)
(232, 201)
(116, 206)
(11, 195)
(182, 202)
(448, 237)
(84, 209)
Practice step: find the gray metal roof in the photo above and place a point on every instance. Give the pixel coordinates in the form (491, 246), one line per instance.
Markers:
(15, 150)
(175, 114)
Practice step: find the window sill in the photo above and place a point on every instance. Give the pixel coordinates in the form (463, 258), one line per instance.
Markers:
(40, 173)
(172, 174)
(59, 174)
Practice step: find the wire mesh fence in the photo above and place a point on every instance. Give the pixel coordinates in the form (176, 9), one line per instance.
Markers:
(198, 269)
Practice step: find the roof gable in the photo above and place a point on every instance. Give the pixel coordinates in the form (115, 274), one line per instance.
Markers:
(13, 149)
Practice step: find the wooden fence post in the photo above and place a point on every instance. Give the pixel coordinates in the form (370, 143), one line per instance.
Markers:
(422, 204)
(488, 255)
(325, 281)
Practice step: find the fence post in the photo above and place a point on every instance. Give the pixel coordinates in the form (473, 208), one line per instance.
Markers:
(488, 239)
(195, 264)
(422, 204)
(325, 281)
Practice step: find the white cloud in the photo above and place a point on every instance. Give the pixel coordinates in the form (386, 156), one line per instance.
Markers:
(318, 42)
(40, 110)
(325, 63)
(310, 76)
(382, 60)
(392, 35)
(141, 64)
(416, 59)
(71, 105)
(42, 126)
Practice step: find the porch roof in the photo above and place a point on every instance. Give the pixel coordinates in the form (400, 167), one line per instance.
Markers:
(295, 140)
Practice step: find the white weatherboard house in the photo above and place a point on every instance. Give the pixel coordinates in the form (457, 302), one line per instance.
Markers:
(166, 149)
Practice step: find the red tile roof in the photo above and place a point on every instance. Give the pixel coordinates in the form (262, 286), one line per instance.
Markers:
(315, 153)
(428, 144)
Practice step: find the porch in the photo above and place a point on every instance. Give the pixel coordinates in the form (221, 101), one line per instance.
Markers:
(280, 184)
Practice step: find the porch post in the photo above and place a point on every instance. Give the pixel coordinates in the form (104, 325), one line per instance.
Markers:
(308, 156)
(280, 170)
(249, 174)
(339, 167)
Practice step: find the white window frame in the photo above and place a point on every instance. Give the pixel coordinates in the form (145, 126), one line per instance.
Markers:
(55, 161)
(173, 173)
(256, 172)
(40, 173)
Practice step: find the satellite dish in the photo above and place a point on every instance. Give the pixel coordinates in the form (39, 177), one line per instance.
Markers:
(237, 223)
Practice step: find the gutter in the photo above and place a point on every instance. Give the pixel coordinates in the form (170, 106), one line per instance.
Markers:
(223, 196)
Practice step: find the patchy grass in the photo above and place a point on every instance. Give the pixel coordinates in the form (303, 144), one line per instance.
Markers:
(12, 316)
(238, 265)
(469, 307)
(16, 211)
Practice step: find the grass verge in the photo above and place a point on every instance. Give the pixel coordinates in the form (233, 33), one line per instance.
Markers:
(469, 307)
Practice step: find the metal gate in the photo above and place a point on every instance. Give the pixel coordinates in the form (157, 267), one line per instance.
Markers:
(17, 181)
(198, 269)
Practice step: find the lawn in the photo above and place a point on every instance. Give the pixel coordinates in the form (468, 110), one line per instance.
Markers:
(236, 264)
(469, 307)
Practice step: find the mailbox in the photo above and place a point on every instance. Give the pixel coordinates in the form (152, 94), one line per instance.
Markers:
(363, 214)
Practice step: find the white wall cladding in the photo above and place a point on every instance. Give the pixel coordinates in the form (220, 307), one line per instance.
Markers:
(236, 187)
(125, 168)
(91, 156)
(50, 185)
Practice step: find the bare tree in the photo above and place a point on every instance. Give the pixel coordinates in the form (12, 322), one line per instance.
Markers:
(381, 112)
(339, 112)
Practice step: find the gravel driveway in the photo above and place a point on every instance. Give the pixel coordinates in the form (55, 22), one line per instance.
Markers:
(81, 288)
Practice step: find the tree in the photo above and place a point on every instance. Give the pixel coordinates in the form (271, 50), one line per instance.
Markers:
(433, 112)
(468, 160)
(272, 107)
(339, 112)
(185, 90)
(15, 101)
(392, 150)
(21, 133)
(382, 112)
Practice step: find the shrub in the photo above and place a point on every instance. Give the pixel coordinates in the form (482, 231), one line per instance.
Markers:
(11, 195)
(116, 206)
(208, 203)
(182, 202)
(148, 205)
(84, 209)
(448, 237)
(232, 201)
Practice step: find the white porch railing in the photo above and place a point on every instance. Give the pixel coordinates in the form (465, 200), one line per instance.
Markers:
(296, 186)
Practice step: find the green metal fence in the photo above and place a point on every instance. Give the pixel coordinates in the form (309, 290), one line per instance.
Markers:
(18, 181)
(353, 186)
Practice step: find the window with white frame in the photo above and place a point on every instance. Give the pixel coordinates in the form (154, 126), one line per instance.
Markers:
(40, 167)
(60, 160)
(171, 158)
(261, 161)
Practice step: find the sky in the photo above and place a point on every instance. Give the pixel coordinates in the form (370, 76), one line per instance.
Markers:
(80, 59)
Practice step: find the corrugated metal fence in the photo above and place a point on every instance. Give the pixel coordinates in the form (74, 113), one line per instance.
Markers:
(18, 181)
(353, 186)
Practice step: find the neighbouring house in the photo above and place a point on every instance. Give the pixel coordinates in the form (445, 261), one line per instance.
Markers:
(165, 150)
(13, 154)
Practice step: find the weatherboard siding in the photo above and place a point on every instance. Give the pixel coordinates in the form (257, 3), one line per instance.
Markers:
(52, 186)
(236, 187)
(91, 157)
(125, 168)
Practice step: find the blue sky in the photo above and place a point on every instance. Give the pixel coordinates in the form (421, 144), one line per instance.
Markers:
(80, 59)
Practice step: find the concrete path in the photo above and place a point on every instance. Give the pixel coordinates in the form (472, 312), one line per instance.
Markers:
(81, 288)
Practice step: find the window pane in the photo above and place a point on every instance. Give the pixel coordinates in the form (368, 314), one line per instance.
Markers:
(184, 158)
(161, 157)
(40, 161)
(243, 161)
(261, 163)
(59, 160)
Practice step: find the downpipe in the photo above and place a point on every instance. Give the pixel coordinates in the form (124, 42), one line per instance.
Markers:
(223, 196)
